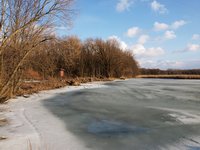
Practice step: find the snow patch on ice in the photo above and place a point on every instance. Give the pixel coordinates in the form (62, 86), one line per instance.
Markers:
(182, 116)
(191, 143)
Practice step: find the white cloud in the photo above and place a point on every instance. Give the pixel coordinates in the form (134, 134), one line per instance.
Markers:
(195, 37)
(189, 48)
(154, 51)
(161, 64)
(133, 31)
(169, 64)
(140, 51)
(178, 24)
(163, 26)
(122, 44)
(169, 35)
(143, 39)
(160, 26)
(158, 7)
(193, 47)
(123, 5)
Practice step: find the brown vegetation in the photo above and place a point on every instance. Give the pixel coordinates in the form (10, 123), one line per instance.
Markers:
(144, 71)
(3, 121)
(169, 74)
(24, 26)
(93, 58)
(27, 88)
(28, 50)
(178, 76)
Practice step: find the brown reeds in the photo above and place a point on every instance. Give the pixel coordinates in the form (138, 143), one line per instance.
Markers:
(180, 76)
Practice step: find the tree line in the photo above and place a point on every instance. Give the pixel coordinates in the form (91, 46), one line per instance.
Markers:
(145, 71)
(91, 58)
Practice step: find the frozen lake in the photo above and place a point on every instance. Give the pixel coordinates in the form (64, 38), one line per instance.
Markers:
(133, 114)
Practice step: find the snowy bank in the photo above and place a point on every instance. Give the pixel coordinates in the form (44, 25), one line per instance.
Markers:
(32, 126)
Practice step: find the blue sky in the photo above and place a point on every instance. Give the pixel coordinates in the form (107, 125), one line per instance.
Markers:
(161, 33)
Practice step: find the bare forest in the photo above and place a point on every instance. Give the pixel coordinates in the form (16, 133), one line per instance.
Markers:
(29, 49)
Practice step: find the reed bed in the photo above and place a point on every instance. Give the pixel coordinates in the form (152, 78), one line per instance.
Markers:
(179, 76)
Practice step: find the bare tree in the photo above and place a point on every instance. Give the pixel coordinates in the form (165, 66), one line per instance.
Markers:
(24, 25)
(101, 58)
(69, 50)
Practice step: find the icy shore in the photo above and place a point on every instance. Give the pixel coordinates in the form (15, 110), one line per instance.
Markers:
(32, 126)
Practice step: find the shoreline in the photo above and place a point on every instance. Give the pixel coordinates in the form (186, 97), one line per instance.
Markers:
(36, 86)
(28, 122)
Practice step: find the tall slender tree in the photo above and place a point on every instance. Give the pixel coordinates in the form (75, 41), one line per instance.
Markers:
(24, 25)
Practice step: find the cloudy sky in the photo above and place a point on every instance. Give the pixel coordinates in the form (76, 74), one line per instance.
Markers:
(161, 33)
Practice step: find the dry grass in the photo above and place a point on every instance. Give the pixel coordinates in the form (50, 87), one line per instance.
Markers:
(34, 87)
(180, 76)
(3, 121)
(27, 88)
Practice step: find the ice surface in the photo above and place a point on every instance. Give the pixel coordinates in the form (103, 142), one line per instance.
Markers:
(136, 114)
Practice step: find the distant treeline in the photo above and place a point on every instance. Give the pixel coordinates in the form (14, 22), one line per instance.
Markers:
(144, 71)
